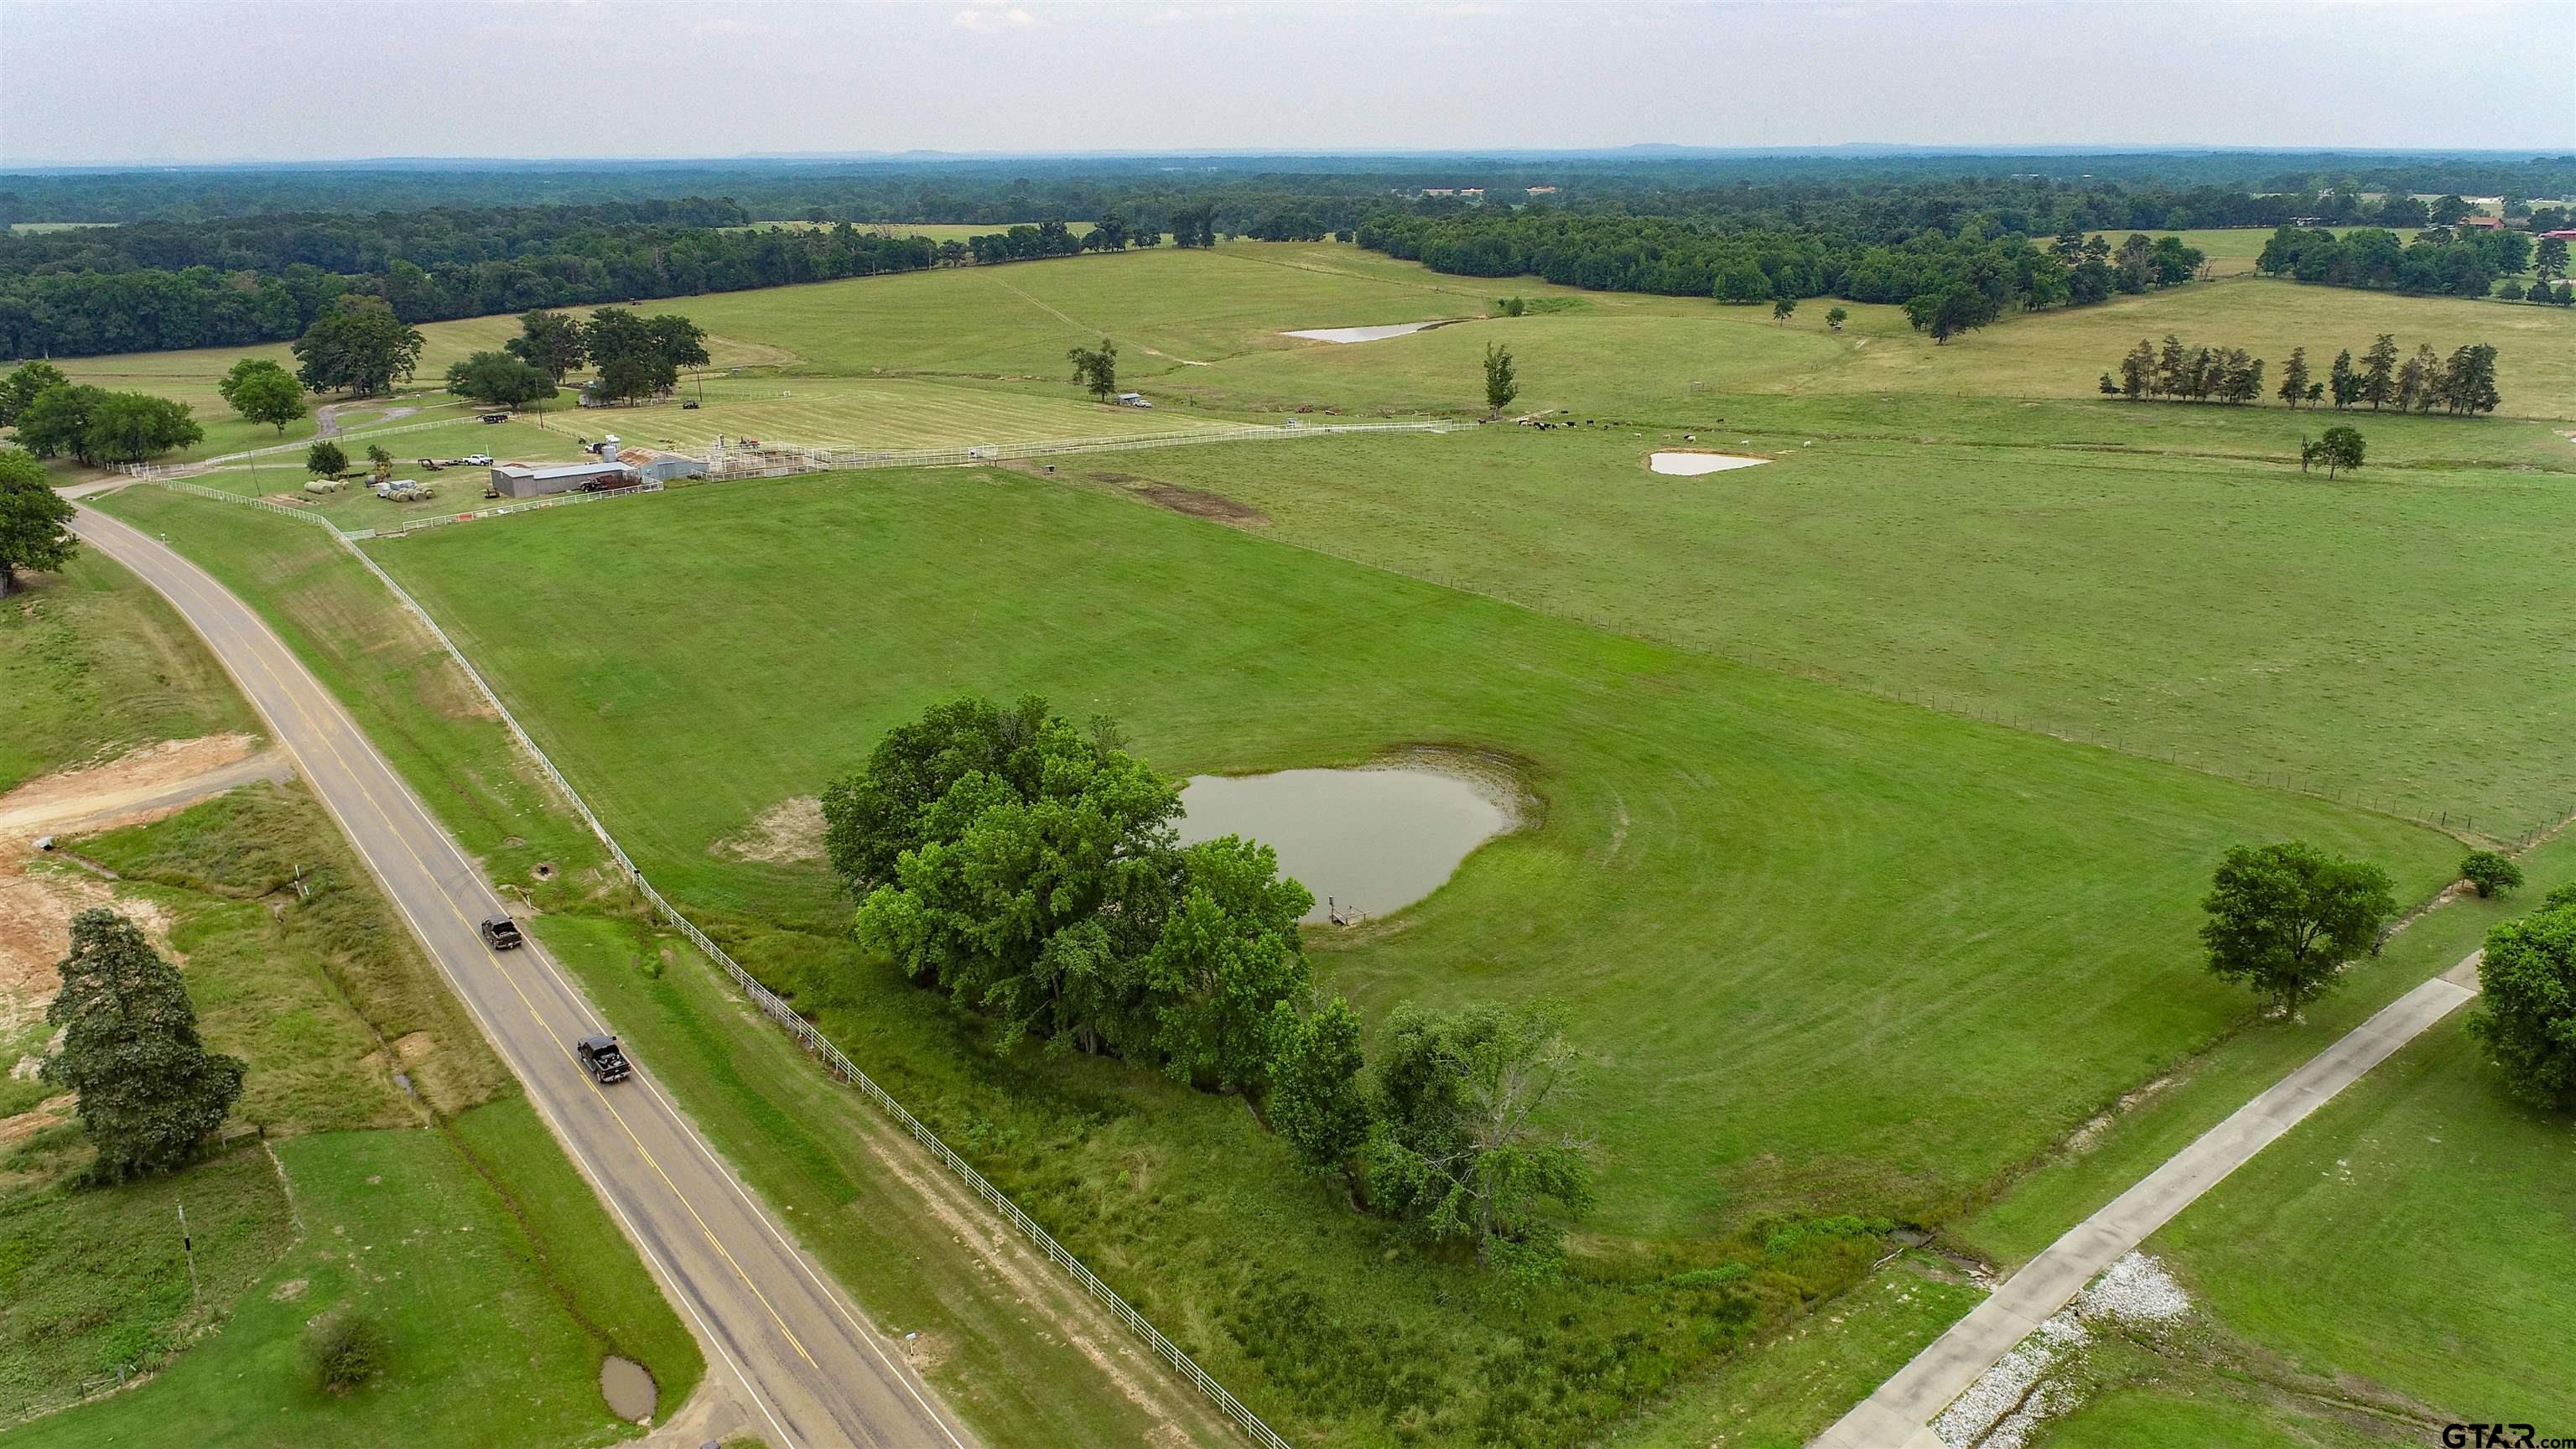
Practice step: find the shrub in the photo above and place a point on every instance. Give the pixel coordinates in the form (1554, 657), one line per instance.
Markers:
(2491, 873)
(342, 1349)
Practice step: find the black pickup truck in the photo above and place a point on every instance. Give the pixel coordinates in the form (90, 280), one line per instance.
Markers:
(600, 1057)
(502, 934)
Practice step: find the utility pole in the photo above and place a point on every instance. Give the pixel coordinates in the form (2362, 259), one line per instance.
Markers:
(188, 1246)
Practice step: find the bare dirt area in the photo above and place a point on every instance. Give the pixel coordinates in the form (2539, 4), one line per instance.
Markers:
(1199, 505)
(37, 906)
(787, 833)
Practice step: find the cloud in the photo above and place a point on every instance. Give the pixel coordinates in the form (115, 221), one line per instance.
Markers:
(988, 21)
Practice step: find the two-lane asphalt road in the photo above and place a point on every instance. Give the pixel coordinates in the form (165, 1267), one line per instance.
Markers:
(811, 1372)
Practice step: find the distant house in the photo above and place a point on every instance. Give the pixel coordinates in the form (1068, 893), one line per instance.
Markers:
(2483, 223)
(1542, 191)
(2563, 233)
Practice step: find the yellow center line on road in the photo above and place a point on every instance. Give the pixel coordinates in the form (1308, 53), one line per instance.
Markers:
(251, 646)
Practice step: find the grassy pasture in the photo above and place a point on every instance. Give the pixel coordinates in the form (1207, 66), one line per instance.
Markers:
(935, 230)
(1674, 783)
(2384, 635)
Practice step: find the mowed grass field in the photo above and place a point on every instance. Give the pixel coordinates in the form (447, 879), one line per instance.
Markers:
(2387, 636)
(1863, 898)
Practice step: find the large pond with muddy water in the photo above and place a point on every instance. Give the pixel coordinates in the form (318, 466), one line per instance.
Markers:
(1367, 841)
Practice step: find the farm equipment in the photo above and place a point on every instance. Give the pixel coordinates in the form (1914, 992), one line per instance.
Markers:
(502, 934)
(600, 1057)
(495, 417)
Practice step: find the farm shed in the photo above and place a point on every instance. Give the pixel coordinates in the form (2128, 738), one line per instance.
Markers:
(652, 465)
(535, 480)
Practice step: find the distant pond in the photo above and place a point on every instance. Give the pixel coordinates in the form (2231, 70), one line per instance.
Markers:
(1372, 840)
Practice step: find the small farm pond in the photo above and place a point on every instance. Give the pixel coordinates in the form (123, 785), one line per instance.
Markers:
(1371, 840)
(1691, 465)
(627, 1387)
(1361, 334)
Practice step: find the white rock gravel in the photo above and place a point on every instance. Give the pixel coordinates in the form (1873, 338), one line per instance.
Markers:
(2014, 1397)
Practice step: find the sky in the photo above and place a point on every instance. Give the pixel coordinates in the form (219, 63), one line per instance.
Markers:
(128, 81)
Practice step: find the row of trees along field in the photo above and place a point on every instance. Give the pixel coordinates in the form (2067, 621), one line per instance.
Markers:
(1028, 868)
(56, 417)
(2463, 384)
(2440, 261)
(1948, 282)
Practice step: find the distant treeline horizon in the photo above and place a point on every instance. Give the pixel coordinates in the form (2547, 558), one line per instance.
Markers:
(1888, 229)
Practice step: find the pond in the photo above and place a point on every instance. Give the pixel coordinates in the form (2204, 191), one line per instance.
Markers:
(627, 1387)
(1360, 334)
(1689, 464)
(1371, 840)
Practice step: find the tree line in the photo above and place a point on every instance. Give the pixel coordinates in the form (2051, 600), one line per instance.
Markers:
(69, 313)
(1028, 869)
(2438, 262)
(2462, 384)
(55, 417)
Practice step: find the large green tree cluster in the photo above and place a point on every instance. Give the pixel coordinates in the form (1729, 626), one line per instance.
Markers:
(360, 346)
(2441, 261)
(150, 1092)
(638, 356)
(499, 379)
(1030, 869)
(55, 417)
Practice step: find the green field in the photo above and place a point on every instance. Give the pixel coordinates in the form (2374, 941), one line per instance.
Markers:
(1880, 782)
(893, 413)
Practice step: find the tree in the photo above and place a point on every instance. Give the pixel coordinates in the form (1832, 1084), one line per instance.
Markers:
(2449, 211)
(681, 342)
(2415, 379)
(549, 342)
(2294, 377)
(149, 1089)
(379, 462)
(2283, 918)
(2468, 380)
(2138, 371)
(1461, 1151)
(1953, 309)
(1782, 308)
(500, 379)
(1226, 955)
(1835, 318)
(2492, 874)
(22, 384)
(56, 421)
(633, 376)
(263, 392)
(357, 345)
(2549, 262)
(32, 519)
(325, 458)
(128, 427)
(2379, 372)
(1096, 368)
(2527, 1003)
(1316, 1104)
(2343, 382)
(1502, 384)
(2341, 450)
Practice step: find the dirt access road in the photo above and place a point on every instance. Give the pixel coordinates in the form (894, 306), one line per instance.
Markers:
(813, 1374)
(1896, 1416)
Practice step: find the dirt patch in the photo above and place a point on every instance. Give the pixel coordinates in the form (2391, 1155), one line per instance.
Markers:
(1112, 477)
(14, 1130)
(787, 833)
(290, 1290)
(35, 931)
(628, 1389)
(1199, 505)
(146, 779)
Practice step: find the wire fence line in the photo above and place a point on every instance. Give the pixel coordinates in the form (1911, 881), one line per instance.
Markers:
(777, 1009)
(793, 458)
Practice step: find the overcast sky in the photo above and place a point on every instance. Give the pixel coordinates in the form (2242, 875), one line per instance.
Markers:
(221, 80)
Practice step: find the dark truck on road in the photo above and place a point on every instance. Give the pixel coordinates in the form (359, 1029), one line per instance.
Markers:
(502, 934)
(600, 1057)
